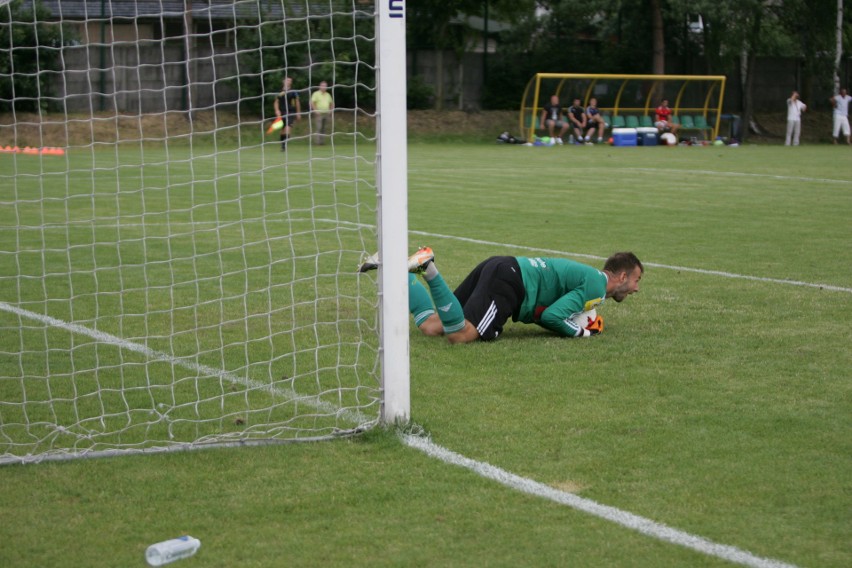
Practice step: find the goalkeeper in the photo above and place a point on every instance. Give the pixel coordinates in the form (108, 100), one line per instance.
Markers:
(546, 291)
(543, 291)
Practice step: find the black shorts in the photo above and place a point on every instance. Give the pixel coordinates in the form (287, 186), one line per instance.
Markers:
(491, 294)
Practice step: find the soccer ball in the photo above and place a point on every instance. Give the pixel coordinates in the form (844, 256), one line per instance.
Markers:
(585, 318)
(668, 139)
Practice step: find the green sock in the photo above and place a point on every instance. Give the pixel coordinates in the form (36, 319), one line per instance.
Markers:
(447, 305)
(419, 300)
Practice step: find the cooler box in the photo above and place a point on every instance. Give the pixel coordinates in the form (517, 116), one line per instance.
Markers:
(624, 137)
(646, 136)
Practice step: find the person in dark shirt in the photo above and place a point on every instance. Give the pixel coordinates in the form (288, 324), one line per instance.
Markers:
(288, 108)
(552, 118)
(577, 116)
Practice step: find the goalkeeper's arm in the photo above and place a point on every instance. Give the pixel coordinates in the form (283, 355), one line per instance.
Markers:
(554, 320)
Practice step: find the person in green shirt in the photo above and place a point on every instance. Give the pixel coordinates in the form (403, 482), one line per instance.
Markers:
(536, 290)
(321, 106)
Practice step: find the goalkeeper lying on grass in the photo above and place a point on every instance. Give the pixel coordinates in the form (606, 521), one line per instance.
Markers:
(545, 291)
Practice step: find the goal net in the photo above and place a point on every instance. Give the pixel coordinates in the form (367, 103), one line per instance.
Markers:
(172, 276)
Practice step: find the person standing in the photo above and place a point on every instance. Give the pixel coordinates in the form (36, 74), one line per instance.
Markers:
(288, 108)
(795, 108)
(840, 103)
(321, 106)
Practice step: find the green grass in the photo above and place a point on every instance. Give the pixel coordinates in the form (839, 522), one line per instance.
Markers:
(715, 404)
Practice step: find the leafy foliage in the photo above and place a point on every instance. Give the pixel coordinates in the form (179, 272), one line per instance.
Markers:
(29, 49)
(337, 48)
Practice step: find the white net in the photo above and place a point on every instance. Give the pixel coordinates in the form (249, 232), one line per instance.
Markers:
(169, 277)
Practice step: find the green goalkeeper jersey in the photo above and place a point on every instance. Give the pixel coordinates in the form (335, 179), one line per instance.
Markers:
(559, 288)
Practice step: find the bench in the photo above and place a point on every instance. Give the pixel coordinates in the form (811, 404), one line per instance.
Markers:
(697, 123)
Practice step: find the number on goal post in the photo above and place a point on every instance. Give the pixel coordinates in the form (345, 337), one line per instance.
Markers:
(175, 273)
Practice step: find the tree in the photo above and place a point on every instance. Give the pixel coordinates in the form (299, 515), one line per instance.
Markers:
(658, 38)
(812, 26)
(269, 50)
(436, 24)
(29, 56)
(838, 45)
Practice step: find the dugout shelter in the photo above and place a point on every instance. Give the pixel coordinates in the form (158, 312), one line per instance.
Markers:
(630, 100)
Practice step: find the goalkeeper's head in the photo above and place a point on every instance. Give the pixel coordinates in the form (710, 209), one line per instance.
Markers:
(623, 270)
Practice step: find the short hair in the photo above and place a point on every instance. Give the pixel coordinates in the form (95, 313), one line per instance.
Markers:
(623, 262)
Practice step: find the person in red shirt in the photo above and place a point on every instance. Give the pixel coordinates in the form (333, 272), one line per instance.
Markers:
(664, 118)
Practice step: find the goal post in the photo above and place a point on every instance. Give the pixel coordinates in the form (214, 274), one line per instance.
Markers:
(392, 187)
(175, 274)
(626, 95)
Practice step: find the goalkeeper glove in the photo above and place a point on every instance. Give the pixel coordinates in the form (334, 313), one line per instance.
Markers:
(594, 328)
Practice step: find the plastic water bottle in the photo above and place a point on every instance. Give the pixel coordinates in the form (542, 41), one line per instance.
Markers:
(571, 139)
(171, 550)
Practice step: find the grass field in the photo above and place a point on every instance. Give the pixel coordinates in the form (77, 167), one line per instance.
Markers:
(717, 401)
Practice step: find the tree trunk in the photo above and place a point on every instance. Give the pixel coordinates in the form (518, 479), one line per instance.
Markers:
(461, 81)
(658, 38)
(838, 53)
(748, 79)
(439, 79)
(746, 63)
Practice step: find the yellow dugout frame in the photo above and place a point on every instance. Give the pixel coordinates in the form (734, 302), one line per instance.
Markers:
(649, 97)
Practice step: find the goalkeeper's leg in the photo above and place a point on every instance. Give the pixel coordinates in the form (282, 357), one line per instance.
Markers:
(419, 301)
(448, 307)
(421, 308)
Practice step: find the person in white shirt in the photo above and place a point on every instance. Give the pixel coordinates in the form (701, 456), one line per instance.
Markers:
(795, 108)
(841, 115)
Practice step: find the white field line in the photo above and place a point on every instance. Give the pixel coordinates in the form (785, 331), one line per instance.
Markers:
(217, 225)
(203, 370)
(733, 174)
(652, 264)
(425, 445)
(612, 514)
(624, 518)
(674, 171)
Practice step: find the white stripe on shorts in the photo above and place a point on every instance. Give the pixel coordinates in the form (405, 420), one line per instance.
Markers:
(490, 314)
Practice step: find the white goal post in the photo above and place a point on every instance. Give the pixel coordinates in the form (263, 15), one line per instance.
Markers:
(174, 273)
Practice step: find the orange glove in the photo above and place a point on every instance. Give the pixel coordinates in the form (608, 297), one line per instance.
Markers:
(596, 326)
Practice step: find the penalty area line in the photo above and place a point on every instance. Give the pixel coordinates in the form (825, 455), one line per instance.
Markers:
(313, 401)
(734, 174)
(626, 519)
(651, 264)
